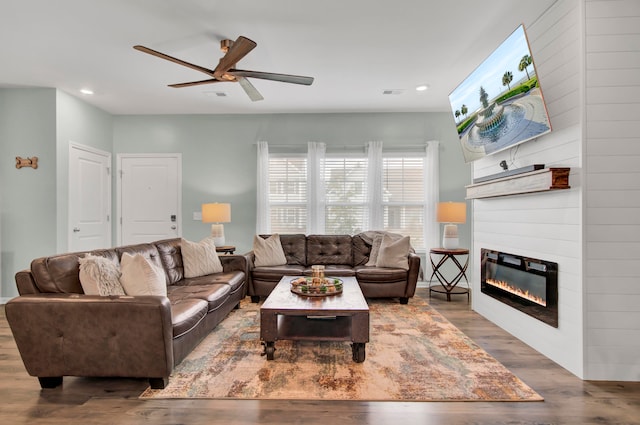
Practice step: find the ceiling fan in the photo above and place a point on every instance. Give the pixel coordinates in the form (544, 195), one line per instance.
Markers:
(226, 71)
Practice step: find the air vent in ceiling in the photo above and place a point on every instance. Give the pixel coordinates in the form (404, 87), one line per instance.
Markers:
(393, 91)
(215, 93)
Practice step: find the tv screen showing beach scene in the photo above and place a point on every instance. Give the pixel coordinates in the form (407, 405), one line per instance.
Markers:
(500, 105)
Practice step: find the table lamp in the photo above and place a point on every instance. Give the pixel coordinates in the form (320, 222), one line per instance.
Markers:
(217, 214)
(450, 213)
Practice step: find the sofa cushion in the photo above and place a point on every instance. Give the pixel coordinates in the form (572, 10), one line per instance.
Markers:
(275, 273)
(394, 253)
(186, 314)
(200, 258)
(381, 275)
(329, 249)
(171, 259)
(141, 277)
(99, 276)
(294, 247)
(215, 294)
(268, 251)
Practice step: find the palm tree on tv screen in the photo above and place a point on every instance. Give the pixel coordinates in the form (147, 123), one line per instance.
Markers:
(507, 78)
(524, 64)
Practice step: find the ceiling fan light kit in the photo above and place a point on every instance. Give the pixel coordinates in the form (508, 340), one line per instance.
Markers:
(234, 51)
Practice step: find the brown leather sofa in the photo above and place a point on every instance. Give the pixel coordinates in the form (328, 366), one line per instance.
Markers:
(60, 331)
(342, 255)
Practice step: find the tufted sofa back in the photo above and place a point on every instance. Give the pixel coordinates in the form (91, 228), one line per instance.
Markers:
(329, 249)
(61, 273)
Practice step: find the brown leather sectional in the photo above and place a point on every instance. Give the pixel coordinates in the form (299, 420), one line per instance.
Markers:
(342, 255)
(60, 331)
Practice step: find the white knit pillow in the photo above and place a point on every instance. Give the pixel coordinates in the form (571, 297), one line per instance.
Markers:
(394, 253)
(268, 252)
(141, 277)
(200, 258)
(99, 276)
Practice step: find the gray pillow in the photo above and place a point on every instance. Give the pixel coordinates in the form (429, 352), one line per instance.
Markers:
(268, 252)
(394, 253)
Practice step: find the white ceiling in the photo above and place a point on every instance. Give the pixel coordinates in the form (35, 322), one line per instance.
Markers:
(355, 49)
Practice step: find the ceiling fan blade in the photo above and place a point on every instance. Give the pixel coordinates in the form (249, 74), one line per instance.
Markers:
(237, 51)
(284, 78)
(195, 83)
(251, 91)
(174, 60)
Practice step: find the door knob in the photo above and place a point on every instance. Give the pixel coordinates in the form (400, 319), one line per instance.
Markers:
(174, 227)
(76, 229)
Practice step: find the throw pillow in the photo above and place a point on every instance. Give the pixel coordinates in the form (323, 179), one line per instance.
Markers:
(394, 253)
(268, 252)
(141, 277)
(99, 276)
(375, 249)
(200, 258)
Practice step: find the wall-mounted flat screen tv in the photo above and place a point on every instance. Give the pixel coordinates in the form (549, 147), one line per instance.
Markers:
(500, 104)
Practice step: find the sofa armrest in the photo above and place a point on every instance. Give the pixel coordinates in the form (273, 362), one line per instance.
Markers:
(233, 262)
(25, 283)
(413, 274)
(83, 335)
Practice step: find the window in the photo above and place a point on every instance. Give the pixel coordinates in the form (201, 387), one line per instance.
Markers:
(403, 197)
(345, 199)
(346, 208)
(288, 193)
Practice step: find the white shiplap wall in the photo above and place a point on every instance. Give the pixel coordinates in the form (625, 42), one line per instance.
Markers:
(612, 190)
(546, 225)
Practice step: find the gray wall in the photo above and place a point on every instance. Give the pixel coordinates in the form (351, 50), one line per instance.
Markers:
(219, 153)
(27, 196)
(33, 203)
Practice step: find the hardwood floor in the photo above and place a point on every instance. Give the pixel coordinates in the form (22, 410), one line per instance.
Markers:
(568, 400)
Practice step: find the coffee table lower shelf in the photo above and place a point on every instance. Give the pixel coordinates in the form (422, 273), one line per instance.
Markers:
(316, 328)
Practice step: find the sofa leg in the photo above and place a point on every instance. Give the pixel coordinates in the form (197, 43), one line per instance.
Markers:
(404, 300)
(255, 298)
(158, 383)
(50, 381)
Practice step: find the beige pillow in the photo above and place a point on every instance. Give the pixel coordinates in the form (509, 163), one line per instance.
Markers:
(394, 253)
(200, 258)
(141, 277)
(99, 276)
(268, 252)
(375, 250)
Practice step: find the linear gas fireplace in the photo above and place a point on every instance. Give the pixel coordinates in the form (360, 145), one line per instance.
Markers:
(526, 284)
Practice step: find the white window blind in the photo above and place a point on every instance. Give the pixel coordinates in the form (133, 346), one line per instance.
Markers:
(288, 193)
(403, 197)
(345, 183)
(345, 180)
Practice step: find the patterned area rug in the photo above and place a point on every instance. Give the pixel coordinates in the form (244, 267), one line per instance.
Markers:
(414, 354)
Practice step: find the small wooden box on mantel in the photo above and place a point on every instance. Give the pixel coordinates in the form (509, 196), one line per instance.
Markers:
(534, 181)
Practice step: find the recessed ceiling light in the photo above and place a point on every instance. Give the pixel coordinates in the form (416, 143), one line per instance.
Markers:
(422, 87)
(86, 91)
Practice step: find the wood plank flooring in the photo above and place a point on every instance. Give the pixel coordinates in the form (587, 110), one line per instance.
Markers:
(568, 400)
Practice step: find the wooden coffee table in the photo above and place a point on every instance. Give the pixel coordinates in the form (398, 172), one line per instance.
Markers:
(340, 317)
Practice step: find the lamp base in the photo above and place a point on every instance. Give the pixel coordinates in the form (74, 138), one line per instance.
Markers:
(450, 237)
(217, 234)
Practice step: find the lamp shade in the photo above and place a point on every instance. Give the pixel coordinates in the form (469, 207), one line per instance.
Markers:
(451, 212)
(216, 213)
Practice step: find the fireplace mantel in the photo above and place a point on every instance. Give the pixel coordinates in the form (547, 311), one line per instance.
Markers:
(534, 181)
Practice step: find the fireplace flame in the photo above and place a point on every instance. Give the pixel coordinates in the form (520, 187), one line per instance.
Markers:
(506, 286)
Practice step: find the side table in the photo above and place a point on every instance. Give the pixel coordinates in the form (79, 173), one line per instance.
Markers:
(227, 249)
(449, 286)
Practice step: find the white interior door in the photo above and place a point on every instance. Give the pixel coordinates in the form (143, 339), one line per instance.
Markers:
(150, 197)
(89, 198)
